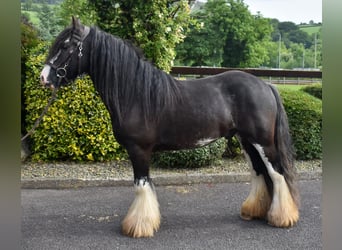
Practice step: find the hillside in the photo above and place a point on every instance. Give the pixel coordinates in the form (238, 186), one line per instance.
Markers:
(310, 29)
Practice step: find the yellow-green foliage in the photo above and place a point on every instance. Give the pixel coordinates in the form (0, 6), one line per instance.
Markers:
(77, 126)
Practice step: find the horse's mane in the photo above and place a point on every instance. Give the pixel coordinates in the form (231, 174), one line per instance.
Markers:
(124, 78)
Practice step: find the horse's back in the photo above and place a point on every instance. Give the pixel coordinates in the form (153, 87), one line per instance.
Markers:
(233, 81)
(234, 86)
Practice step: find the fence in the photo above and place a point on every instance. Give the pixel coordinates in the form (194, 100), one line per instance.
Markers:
(277, 76)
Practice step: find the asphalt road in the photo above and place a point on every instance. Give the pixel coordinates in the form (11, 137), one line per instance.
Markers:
(201, 216)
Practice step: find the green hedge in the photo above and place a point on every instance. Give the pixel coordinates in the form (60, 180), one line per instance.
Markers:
(314, 90)
(192, 158)
(76, 127)
(305, 120)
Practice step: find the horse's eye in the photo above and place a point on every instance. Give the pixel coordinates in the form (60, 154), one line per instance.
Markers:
(66, 43)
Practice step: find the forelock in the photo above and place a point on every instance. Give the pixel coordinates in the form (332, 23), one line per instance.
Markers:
(58, 43)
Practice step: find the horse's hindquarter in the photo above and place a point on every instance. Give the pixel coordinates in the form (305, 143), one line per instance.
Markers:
(254, 106)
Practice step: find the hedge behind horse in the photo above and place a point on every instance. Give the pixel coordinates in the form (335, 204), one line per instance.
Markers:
(152, 111)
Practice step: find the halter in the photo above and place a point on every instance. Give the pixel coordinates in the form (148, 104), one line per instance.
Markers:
(61, 72)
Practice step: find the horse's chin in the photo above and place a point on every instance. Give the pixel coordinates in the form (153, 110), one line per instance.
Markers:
(49, 85)
(52, 87)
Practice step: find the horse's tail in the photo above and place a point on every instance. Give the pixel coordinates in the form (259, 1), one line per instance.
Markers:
(283, 143)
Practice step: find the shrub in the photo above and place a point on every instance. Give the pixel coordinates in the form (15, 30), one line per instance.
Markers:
(314, 90)
(305, 120)
(191, 158)
(29, 40)
(233, 148)
(77, 125)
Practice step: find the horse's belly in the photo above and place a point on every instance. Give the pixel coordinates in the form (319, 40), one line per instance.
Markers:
(186, 141)
(167, 147)
(204, 141)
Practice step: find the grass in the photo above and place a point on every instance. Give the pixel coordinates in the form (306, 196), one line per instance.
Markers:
(311, 29)
(290, 87)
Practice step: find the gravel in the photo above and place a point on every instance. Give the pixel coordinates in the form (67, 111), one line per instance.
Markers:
(123, 170)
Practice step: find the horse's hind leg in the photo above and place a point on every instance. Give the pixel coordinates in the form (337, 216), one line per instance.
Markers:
(283, 211)
(143, 217)
(258, 201)
(270, 196)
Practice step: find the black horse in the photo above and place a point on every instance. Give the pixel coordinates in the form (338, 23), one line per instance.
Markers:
(151, 111)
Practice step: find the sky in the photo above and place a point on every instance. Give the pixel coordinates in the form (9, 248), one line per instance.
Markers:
(297, 11)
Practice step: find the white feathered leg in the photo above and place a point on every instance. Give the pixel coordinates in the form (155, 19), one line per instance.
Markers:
(143, 217)
(283, 211)
(258, 201)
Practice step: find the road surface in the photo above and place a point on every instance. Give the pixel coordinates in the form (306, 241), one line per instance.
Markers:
(201, 216)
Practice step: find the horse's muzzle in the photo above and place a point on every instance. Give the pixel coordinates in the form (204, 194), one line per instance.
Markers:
(45, 83)
(44, 78)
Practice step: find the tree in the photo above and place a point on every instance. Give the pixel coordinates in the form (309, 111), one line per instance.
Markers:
(290, 33)
(259, 42)
(230, 36)
(194, 51)
(197, 48)
(48, 28)
(216, 24)
(28, 5)
(298, 46)
(76, 8)
(155, 26)
(272, 54)
(301, 37)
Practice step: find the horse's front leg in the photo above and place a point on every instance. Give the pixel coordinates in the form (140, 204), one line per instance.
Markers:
(143, 217)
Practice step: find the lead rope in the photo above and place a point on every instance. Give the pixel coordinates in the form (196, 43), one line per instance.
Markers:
(52, 98)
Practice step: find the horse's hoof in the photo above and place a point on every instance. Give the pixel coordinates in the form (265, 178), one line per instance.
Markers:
(287, 219)
(140, 229)
(246, 216)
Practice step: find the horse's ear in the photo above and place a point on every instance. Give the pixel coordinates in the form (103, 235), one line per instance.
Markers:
(76, 24)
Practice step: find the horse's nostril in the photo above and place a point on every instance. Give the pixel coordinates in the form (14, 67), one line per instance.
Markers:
(44, 74)
(43, 80)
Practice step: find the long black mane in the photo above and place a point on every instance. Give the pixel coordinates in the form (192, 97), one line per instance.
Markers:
(123, 78)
